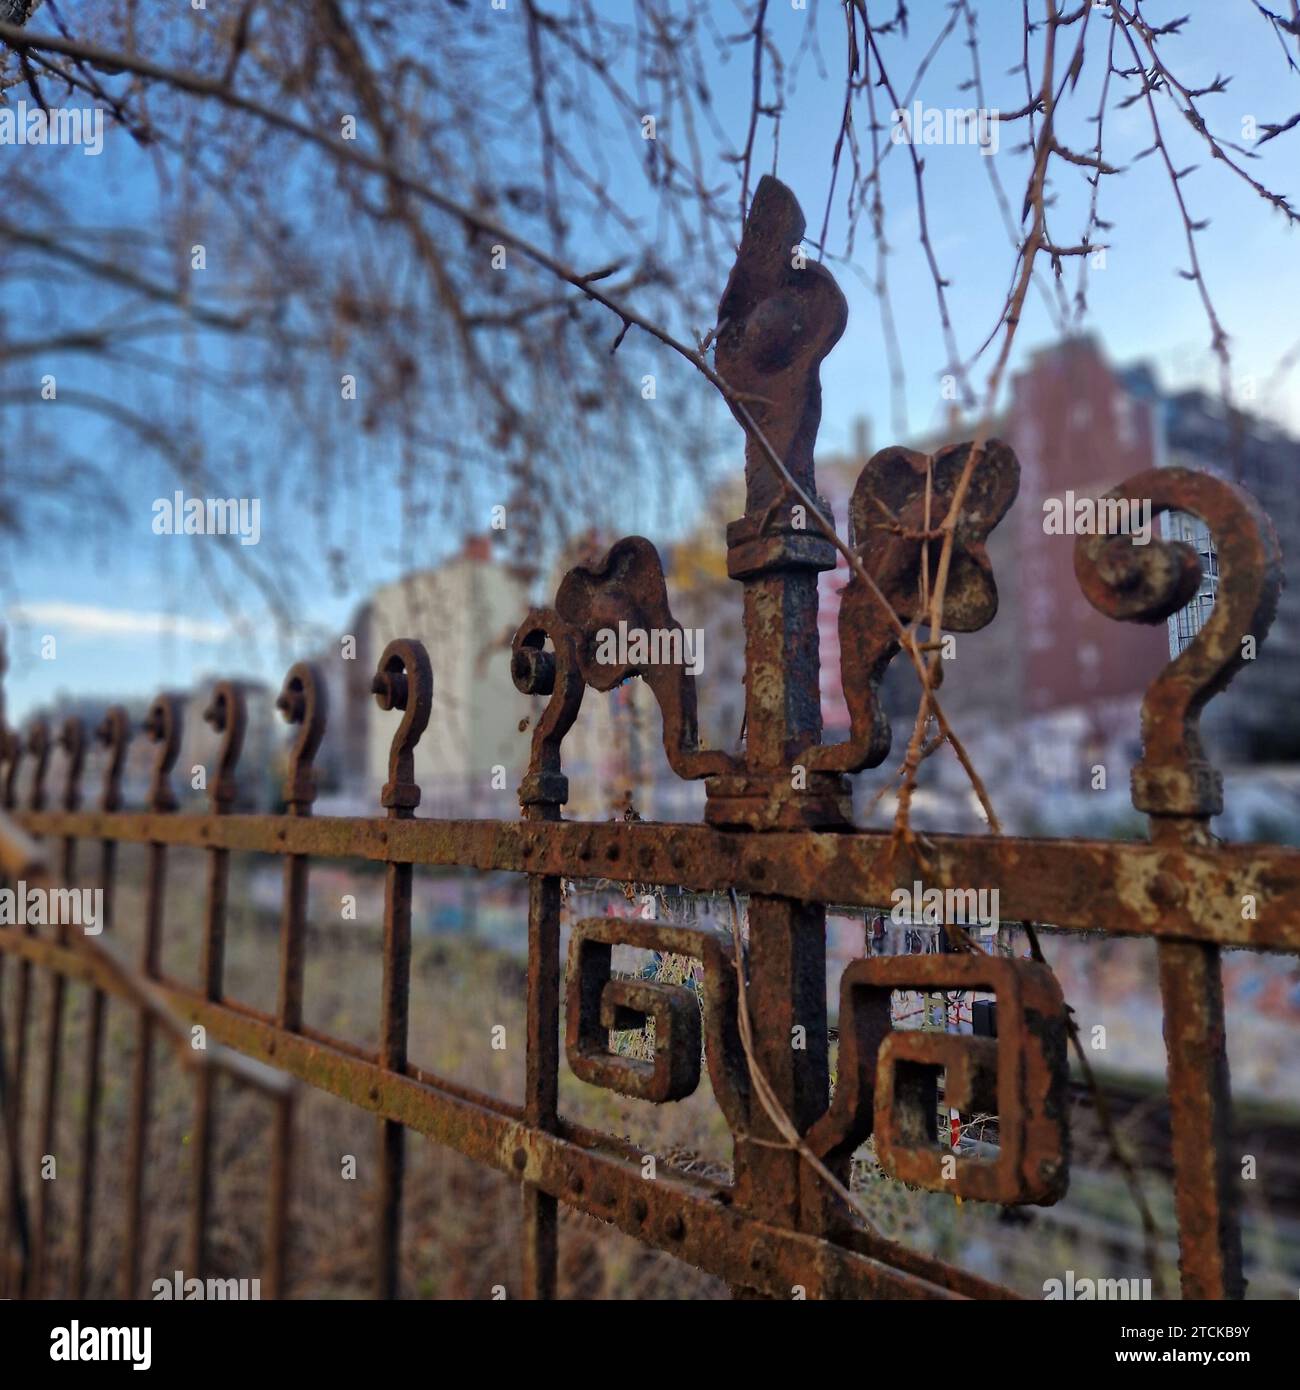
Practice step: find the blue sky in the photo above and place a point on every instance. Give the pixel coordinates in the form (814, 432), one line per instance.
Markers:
(132, 612)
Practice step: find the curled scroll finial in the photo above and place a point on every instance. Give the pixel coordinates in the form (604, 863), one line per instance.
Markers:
(303, 701)
(39, 745)
(888, 513)
(536, 671)
(114, 733)
(227, 715)
(163, 726)
(1148, 583)
(72, 739)
(404, 681)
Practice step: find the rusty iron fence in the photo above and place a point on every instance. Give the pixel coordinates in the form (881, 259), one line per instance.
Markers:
(777, 832)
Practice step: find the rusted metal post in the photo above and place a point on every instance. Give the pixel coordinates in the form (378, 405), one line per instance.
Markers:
(72, 740)
(38, 744)
(393, 1026)
(1181, 791)
(141, 1083)
(114, 733)
(779, 316)
(22, 1004)
(228, 717)
(1206, 1198)
(301, 702)
(540, 1252)
(13, 1267)
(14, 1264)
(404, 681)
(543, 792)
(1200, 1113)
(90, 1116)
(163, 727)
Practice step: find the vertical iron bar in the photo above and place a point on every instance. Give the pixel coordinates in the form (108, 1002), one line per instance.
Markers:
(787, 940)
(13, 1270)
(288, 1015)
(212, 968)
(542, 793)
(228, 716)
(50, 1095)
(115, 733)
(392, 1056)
(1206, 1197)
(403, 681)
(292, 942)
(72, 741)
(214, 936)
(540, 1104)
(1200, 1113)
(277, 1241)
(90, 1119)
(303, 702)
(17, 1098)
(787, 991)
(163, 726)
(46, 1143)
(778, 320)
(38, 743)
(142, 1076)
(17, 1226)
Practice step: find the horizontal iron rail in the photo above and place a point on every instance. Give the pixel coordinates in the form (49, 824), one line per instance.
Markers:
(148, 994)
(692, 1218)
(1123, 888)
(20, 855)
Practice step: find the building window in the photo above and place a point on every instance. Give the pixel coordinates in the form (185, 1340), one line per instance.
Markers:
(1187, 622)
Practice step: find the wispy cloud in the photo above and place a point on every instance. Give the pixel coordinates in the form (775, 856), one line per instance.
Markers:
(90, 619)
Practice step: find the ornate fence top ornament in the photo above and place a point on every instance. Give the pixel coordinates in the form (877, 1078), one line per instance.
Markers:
(40, 746)
(778, 317)
(114, 733)
(226, 715)
(404, 681)
(162, 726)
(1147, 584)
(72, 739)
(303, 701)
